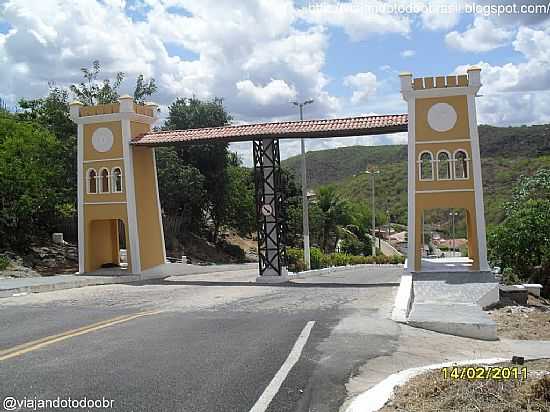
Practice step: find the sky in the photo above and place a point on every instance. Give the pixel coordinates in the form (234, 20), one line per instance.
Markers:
(259, 55)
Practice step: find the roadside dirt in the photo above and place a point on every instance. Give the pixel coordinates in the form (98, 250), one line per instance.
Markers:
(530, 322)
(431, 391)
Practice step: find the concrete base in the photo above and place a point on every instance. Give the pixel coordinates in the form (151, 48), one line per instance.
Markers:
(479, 288)
(450, 264)
(403, 300)
(459, 319)
(448, 302)
(272, 279)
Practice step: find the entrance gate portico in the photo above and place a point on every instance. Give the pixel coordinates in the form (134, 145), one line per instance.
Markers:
(116, 153)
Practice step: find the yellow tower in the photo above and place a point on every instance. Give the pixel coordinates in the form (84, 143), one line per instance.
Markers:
(444, 165)
(118, 202)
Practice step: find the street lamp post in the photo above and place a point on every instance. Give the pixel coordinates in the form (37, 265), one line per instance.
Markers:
(453, 214)
(305, 214)
(373, 174)
(389, 224)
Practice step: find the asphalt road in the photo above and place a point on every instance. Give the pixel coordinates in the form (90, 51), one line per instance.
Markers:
(211, 342)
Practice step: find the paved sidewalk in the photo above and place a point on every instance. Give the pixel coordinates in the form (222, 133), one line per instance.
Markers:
(411, 347)
(17, 286)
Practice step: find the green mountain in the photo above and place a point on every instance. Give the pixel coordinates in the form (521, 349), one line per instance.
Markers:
(506, 153)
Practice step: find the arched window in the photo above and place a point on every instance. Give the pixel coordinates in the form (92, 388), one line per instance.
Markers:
(92, 181)
(443, 166)
(116, 175)
(104, 181)
(461, 163)
(426, 166)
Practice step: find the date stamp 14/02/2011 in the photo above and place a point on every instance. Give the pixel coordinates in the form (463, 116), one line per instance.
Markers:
(485, 372)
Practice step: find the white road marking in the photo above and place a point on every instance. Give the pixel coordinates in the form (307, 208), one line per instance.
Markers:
(269, 393)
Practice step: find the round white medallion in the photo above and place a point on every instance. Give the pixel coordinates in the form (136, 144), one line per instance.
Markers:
(102, 139)
(442, 117)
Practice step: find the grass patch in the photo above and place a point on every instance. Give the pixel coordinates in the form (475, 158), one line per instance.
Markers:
(4, 262)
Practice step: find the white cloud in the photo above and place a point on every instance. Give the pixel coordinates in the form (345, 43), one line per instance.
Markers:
(516, 108)
(480, 37)
(440, 15)
(407, 53)
(256, 55)
(234, 42)
(516, 93)
(364, 85)
(531, 75)
(275, 91)
(534, 44)
(358, 18)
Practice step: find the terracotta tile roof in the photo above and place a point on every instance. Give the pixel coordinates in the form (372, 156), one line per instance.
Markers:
(351, 126)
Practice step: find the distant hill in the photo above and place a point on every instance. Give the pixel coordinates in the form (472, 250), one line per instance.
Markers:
(506, 153)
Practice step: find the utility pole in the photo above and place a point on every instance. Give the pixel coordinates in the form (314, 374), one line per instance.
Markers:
(305, 211)
(373, 174)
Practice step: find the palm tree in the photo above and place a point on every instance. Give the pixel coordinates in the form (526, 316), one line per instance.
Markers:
(335, 212)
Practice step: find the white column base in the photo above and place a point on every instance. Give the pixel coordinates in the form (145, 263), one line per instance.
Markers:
(274, 278)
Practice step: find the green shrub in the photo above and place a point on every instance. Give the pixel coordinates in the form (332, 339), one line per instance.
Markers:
(509, 277)
(397, 259)
(353, 246)
(325, 261)
(234, 251)
(4, 262)
(295, 258)
(382, 260)
(320, 260)
(339, 259)
(369, 260)
(357, 260)
(315, 255)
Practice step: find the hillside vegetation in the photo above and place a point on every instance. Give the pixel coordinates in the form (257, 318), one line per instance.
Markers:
(507, 153)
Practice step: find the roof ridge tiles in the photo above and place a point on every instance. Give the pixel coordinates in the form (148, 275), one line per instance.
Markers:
(373, 124)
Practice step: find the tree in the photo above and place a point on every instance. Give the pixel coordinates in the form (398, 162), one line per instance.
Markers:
(92, 91)
(193, 113)
(31, 173)
(335, 212)
(536, 187)
(52, 113)
(211, 159)
(144, 89)
(522, 241)
(241, 204)
(182, 189)
(356, 241)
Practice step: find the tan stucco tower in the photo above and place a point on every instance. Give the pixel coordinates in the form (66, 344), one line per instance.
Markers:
(117, 182)
(444, 166)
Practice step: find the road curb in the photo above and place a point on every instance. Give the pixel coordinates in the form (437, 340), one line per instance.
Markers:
(332, 269)
(403, 299)
(76, 283)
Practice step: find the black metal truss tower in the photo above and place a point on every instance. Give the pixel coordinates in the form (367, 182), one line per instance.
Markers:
(270, 208)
